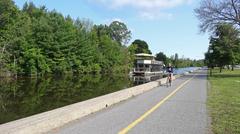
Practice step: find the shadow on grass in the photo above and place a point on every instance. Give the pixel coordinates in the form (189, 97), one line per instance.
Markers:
(224, 75)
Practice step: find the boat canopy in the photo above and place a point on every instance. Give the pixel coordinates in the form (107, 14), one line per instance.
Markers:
(143, 55)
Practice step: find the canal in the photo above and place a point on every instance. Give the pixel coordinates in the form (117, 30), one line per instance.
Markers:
(24, 97)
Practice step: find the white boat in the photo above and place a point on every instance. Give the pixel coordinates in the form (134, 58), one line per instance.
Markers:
(145, 64)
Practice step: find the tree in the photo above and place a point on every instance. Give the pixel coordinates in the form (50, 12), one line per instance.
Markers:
(224, 46)
(119, 32)
(35, 41)
(139, 46)
(162, 57)
(176, 60)
(8, 17)
(213, 12)
(102, 30)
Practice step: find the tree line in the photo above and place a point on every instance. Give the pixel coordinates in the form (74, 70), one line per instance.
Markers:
(35, 41)
(222, 19)
(140, 46)
(177, 62)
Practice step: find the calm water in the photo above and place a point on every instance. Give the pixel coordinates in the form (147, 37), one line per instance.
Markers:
(27, 96)
(182, 70)
(24, 96)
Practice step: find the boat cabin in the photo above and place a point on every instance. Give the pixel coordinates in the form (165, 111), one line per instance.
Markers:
(146, 64)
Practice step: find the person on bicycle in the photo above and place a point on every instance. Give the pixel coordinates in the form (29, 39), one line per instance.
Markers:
(169, 70)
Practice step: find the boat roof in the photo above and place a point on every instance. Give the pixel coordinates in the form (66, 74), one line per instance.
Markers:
(143, 55)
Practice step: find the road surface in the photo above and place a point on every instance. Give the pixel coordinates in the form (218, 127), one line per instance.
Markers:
(179, 109)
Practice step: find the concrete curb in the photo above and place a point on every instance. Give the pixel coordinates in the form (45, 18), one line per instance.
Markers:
(44, 122)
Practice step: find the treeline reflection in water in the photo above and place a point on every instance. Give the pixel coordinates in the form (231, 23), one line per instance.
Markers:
(27, 96)
(23, 97)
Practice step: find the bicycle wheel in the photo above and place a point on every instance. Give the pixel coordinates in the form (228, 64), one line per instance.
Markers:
(170, 82)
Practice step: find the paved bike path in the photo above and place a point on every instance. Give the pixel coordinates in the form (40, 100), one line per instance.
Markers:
(184, 113)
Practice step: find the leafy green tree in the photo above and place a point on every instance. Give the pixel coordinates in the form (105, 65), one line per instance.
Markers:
(162, 57)
(9, 15)
(225, 45)
(102, 30)
(176, 60)
(35, 41)
(139, 46)
(119, 32)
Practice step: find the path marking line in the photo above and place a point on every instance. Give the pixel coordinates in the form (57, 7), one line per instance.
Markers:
(134, 123)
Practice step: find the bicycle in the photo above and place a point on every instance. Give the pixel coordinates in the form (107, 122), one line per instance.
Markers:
(169, 80)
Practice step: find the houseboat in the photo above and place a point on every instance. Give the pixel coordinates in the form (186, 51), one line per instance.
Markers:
(145, 64)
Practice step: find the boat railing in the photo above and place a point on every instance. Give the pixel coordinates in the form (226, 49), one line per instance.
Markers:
(157, 62)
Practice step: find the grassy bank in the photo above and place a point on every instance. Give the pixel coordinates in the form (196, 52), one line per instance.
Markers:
(224, 101)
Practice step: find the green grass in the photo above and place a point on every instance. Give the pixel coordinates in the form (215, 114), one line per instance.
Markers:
(224, 101)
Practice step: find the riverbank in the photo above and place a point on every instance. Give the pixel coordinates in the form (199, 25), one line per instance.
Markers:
(26, 96)
(47, 121)
(224, 101)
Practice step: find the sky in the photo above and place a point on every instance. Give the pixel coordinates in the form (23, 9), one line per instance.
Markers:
(168, 26)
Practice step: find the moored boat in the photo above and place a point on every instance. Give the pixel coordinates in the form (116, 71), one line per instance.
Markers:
(145, 64)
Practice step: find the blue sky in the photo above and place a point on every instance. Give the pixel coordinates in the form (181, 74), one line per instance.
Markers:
(168, 26)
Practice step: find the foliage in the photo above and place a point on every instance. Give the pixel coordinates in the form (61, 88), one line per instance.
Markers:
(184, 62)
(162, 57)
(179, 62)
(139, 46)
(221, 17)
(224, 47)
(35, 41)
(176, 60)
(119, 32)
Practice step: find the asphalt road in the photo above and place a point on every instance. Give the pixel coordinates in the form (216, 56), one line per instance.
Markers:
(182, 113)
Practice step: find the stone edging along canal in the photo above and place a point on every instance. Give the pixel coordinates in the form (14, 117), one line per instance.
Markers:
(44, 122)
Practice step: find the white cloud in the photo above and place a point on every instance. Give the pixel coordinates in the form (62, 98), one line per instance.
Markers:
(147, 9)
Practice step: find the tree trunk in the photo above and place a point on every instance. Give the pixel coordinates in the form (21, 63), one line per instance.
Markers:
(3, 49)
(220, 69)
(232, 66)
(14, 63)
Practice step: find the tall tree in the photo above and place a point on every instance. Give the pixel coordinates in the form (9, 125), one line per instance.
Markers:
(119, 32)
(36, 41)
(176, 60)
(139, 46)
(162, 57)
(224, 46)
(8, 16)
(212, 12)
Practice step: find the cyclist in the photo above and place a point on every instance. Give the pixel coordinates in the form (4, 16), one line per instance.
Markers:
(169, 70)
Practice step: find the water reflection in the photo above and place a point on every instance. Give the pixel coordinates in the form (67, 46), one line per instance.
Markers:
(137, 80)
(24, 96)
